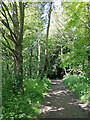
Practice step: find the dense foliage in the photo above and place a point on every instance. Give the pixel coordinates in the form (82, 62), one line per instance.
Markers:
(27, 105)
(79, 85)
(76, 57)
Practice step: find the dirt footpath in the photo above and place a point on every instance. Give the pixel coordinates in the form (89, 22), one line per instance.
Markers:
(60, 102)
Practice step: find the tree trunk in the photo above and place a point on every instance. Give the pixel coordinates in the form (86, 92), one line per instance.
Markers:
(30, 64)
(19, 68)
(62, 61)
(18, 30)
(46, 45)
(15, 35)
(39, 52)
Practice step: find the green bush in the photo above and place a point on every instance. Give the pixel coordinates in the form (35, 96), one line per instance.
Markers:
(79, 85)
(27, 105)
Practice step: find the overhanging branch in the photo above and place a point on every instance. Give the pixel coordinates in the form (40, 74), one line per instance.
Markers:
(79, 18)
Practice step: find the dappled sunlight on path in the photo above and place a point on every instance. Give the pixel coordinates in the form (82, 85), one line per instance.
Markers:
(60, 102)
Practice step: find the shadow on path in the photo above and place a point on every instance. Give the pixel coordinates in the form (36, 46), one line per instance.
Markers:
(60, 102)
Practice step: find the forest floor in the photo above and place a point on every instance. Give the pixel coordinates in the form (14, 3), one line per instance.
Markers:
(60, 102)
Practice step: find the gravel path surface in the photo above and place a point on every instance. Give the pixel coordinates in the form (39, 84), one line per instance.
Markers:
(60, 102)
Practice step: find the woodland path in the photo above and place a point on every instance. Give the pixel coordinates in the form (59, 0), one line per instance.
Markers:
(60, 102)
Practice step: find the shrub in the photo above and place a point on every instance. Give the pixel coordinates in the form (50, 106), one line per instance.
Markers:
(79, 85)
(27, 105)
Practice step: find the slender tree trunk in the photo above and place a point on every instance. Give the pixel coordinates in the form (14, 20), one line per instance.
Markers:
(39, 52)
(62, 60)
(30, 64)
(46, 45)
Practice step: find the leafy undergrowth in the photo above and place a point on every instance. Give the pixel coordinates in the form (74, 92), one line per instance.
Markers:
(79, 85)
(27, 105)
